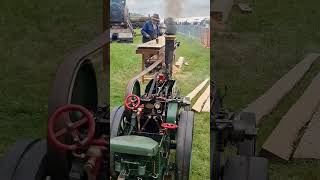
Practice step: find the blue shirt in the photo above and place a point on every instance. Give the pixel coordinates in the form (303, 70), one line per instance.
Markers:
(148, 29)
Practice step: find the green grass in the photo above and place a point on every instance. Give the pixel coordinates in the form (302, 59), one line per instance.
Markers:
(35, 36)
(125, 64)
(268, 43)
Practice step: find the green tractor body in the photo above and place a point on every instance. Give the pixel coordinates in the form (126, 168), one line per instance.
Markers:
(139, 156)
(144, 138)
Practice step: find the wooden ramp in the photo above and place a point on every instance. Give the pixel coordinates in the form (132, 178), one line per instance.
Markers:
(280, 142)
(309, 145)
(267, 102)
(202, 99)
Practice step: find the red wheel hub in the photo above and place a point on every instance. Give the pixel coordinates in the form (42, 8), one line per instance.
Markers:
(132, 102)
(169, 126)
(61, 118)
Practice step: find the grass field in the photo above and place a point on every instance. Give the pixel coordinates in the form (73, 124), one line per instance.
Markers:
(35, 36)
(266, 44)
(125, 64)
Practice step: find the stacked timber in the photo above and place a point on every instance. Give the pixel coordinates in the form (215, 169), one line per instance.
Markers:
(268, 101)
(203, 102)
(281, 141)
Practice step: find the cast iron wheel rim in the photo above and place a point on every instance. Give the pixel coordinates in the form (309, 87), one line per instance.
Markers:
(33, 163)
(184, 145)
(117, 121)
(116, 118)
(75, 83)
(133, 88)
(14, 155)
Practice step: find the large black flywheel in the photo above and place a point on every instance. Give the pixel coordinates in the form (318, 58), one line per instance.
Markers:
(117, 126)
(26, 159)
(117, 118)
(133, 88)
(184, 145)
(75, 83)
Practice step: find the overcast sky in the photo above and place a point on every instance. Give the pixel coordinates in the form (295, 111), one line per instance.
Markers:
(191, 8)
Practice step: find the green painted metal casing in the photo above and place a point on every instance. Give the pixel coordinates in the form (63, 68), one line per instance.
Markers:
(146, 164)
(172, 113)
(136, 145)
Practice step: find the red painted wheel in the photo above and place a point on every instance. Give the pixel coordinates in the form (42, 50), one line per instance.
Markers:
(169, 126)
(132, 102)
(61, 116)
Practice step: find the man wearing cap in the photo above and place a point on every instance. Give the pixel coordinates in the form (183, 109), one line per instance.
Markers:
(150, 29)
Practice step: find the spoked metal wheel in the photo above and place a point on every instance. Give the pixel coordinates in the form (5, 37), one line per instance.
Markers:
(184, 145)
(133, 88)
(25, 160)
(148, 86)
(117, 122)
(118, 128)
(75, 83)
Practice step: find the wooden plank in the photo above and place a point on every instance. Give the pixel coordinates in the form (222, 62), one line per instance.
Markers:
(268, 101)
(202, 99)
(206, 107)
(309, 146)
(194, 93)
(147, 51)
(280, 142)
(221, 10)
(180, 62)
(175, 70)
(153, 43)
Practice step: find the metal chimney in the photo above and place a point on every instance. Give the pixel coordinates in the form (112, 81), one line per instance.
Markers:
(169, 52)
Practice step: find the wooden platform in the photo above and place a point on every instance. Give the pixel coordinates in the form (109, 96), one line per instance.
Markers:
(151, 52)
(268, 101)
(309, 145)
(153, 44)
(280, 143)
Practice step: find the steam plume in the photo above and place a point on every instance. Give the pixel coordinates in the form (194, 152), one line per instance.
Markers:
(173, 8)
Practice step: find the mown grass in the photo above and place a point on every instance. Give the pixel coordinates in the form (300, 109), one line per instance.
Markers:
(270, 41)
(35, 36)
(125, 64)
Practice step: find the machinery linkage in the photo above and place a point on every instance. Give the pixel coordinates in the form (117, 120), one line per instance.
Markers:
(239, 130)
